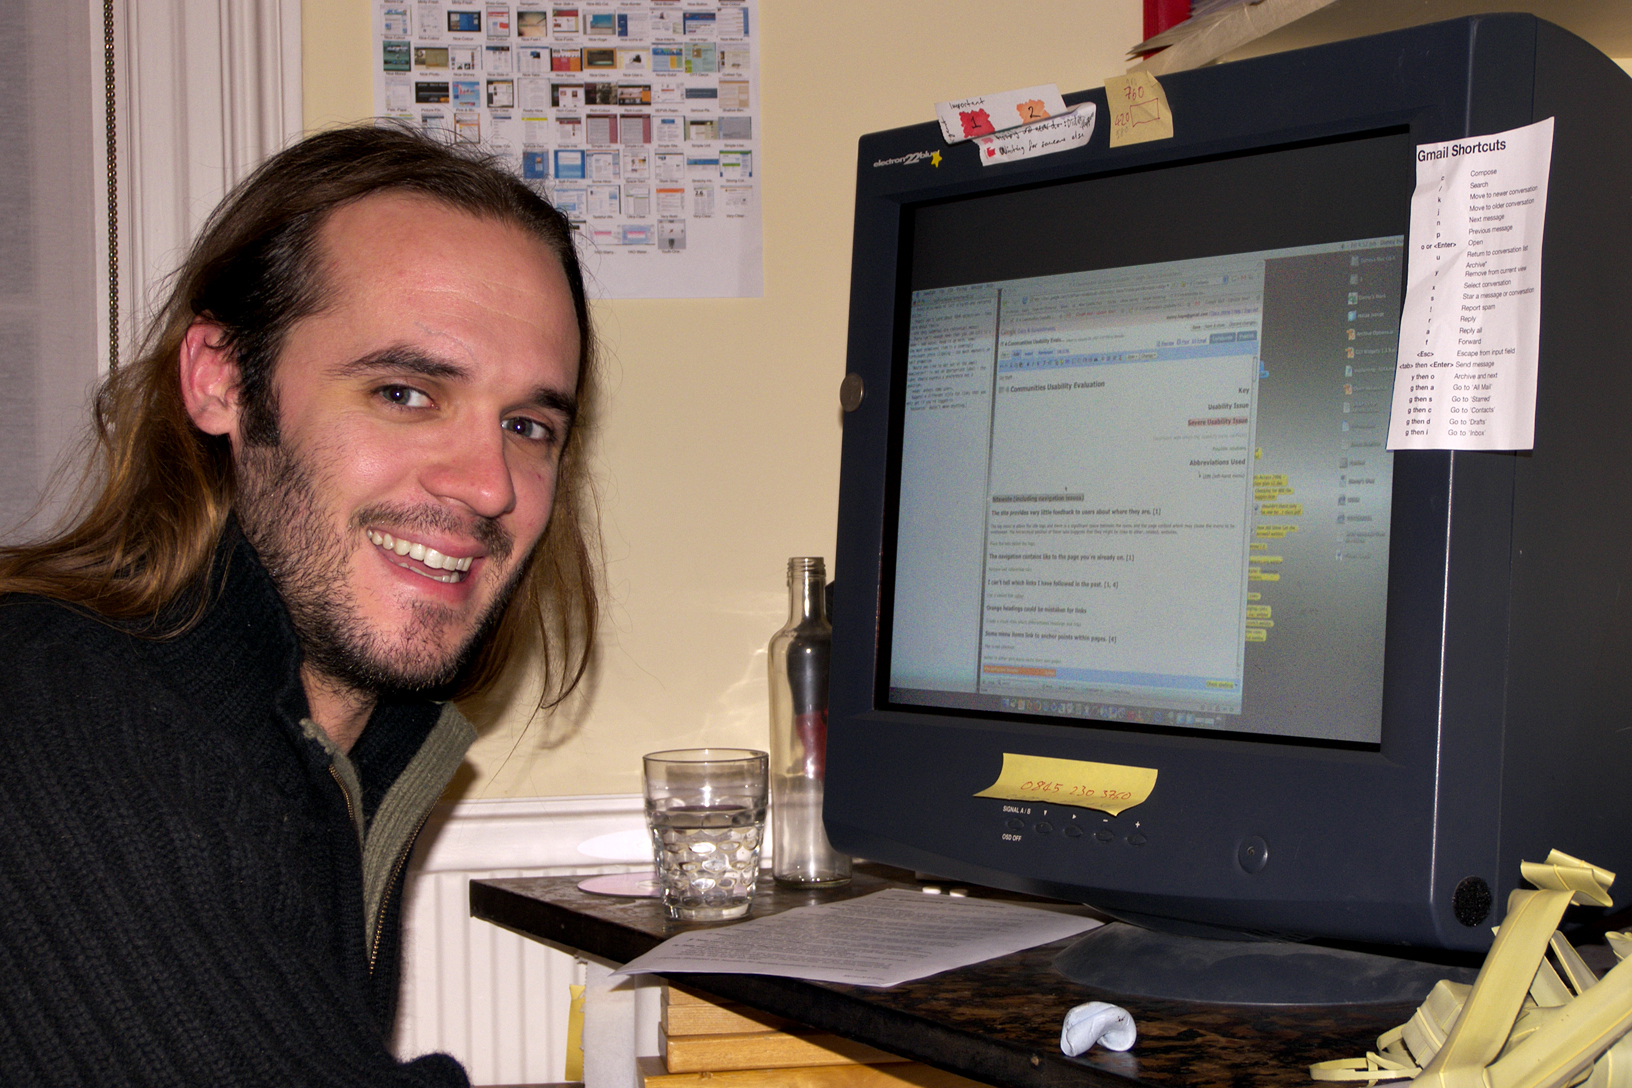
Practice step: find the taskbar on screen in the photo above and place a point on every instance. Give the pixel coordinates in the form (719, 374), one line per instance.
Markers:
(1063, 708)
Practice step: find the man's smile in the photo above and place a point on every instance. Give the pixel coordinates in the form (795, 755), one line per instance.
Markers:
(430, 557)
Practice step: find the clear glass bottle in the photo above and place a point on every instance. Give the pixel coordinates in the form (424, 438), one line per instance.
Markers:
(799, 655)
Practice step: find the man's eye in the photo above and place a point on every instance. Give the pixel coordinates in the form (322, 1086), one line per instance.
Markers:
(405, 396)
(530, 429)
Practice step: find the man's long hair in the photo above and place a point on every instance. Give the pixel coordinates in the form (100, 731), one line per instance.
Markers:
(158, 492)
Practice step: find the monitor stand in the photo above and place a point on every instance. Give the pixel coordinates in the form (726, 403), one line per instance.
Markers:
(1136, 962)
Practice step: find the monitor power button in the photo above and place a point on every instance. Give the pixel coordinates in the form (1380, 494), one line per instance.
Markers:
(1253, 854)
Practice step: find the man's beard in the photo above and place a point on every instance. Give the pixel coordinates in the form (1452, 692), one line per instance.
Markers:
(278, 510)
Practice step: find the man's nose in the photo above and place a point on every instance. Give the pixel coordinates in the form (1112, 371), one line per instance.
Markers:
(470, 467)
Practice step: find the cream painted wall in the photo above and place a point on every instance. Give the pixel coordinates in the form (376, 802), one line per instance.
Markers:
(719, 440)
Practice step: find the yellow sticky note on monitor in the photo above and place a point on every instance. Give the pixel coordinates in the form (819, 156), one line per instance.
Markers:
(1109, 787)
(1138, 108)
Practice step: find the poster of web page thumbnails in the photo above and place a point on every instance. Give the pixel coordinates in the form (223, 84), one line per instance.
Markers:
(637, 118)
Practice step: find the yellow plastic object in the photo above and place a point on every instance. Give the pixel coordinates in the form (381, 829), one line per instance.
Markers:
(1523, 1023)
(575, 1034)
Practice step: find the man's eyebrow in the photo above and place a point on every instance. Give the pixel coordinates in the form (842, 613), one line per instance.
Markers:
(403, 360)
(557, 401)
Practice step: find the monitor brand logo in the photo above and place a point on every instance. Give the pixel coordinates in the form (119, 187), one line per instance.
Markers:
(910, 159)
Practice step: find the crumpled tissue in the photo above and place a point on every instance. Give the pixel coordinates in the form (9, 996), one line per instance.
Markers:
(1096, 1022)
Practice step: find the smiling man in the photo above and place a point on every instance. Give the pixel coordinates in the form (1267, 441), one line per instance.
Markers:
(342, 484)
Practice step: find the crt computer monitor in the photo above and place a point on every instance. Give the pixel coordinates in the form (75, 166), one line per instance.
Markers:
(1117, 491)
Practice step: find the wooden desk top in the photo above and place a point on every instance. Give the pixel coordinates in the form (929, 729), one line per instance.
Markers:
(997, 1021)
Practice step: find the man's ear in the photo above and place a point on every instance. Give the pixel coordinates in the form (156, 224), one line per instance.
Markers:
(209, 380)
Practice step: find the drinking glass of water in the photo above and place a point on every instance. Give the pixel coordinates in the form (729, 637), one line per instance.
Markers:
(705, 808)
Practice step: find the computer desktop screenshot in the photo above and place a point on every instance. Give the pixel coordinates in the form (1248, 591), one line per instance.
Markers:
(1156, 494)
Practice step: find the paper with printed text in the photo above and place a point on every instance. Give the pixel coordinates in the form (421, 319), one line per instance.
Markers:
(1470, 333)
(882, 939)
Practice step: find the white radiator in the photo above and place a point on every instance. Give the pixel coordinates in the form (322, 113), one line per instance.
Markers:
(495, 1000)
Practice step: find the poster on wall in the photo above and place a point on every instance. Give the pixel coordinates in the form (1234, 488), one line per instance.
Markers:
(638, 119)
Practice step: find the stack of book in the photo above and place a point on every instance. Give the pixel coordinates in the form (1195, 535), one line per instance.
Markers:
(722, 1045)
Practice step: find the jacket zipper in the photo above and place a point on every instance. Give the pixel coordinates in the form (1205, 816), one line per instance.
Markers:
(385, 897)
(351, 812)
(351, 815)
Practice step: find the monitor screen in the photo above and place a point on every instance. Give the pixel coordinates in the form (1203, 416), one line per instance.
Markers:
(1116, 493)
(1154, 494)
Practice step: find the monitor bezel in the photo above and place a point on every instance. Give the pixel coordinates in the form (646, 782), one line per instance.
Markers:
(1268, 159)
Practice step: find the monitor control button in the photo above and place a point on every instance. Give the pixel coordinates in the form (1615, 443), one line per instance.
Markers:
(1104, 835)
(1072, 831)
(1253, 854)
(1015, 823)
(1136, 839)
(1044, 828)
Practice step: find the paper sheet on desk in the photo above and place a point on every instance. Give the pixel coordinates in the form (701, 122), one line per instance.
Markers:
(882, 939)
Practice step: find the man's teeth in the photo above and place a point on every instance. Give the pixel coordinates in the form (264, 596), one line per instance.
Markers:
(429, 556)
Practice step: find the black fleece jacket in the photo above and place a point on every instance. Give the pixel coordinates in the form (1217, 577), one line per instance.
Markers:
(181, 878)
